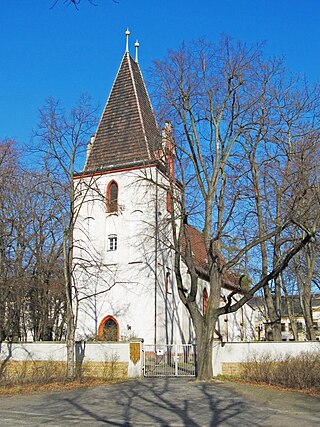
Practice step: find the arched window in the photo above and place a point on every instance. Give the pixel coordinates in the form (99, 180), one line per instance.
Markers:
(108, 329)
(205, 301)
(112, 197)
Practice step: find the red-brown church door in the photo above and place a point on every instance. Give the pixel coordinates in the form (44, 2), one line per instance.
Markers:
(108, 329)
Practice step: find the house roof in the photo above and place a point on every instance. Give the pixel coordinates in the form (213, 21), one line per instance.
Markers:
(127, 134)
(200, 258)
(294, 300)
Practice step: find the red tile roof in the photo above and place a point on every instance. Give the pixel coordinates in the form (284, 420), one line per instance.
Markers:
(127, 134)
(200, 258)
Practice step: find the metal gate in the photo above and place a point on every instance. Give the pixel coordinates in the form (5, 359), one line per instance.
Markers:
(169, 360)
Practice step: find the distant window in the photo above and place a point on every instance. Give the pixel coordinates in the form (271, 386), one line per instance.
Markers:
(112, 197)
(112, 243)
(283, 327)
(299, 326)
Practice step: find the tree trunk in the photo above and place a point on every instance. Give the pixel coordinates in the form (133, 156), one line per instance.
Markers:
(274, 332)
(204, 328)
(307, 314)
(204, 354)
(293, 322)
(70, 343)
(70, 339)
(307, 295)
(304, 279)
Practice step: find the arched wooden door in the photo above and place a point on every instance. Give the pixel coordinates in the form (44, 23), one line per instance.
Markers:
(108, 329)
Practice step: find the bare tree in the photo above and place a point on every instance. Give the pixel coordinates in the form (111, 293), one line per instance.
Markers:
(223, 102)
(8, 167)
(46, 296)
(63, 138)
(304, 271)
(305, 267)
(29, 261)
(74, 3)
(280, 137)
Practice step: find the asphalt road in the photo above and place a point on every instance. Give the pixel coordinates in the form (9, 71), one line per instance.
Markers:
(163, 402)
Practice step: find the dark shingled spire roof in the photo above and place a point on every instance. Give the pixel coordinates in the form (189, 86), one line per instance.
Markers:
(127, 134)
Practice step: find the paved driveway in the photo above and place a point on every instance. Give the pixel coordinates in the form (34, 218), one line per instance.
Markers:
(162, 402)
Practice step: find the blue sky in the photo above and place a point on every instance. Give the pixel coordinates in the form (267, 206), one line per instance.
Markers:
(62, 52)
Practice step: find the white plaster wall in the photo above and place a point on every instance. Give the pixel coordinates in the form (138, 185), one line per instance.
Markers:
(105, 352)
(174, 322)
(112, 352)
(131, 272)
(86, 352)
(238, 352)
(125, 270)
(33, 351)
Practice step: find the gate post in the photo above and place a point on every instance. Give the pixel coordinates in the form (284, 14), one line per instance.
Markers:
(195, 361)
(176, 360)
(136, 362)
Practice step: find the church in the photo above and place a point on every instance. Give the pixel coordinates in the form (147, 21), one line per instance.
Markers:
(123, 257)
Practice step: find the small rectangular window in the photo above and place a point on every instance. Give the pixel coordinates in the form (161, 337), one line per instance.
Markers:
(112, 243)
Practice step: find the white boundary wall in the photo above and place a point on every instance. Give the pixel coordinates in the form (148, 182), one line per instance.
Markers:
(239, 352)
(84, 352)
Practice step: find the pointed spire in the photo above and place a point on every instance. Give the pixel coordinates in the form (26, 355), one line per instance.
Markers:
(127, 134)
(136, 45)
(127, 33)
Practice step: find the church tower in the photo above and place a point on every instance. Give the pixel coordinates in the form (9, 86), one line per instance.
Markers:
(122, 257)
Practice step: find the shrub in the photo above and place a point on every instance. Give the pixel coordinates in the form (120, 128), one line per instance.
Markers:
(30, 372)
(298, 372)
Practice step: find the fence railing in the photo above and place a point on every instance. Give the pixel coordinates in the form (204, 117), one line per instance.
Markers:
(169, 360)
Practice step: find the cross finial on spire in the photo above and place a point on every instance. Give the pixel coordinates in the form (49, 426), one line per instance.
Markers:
(136, 45)
(127, 39)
